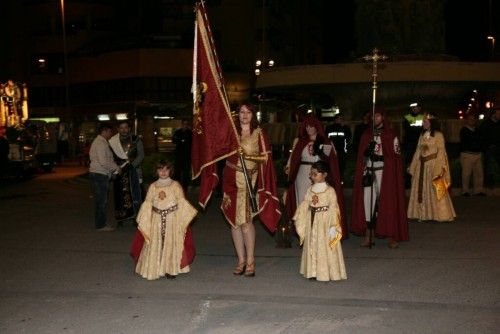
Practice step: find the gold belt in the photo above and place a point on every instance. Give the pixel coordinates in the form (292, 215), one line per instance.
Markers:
(429, 157)
(239, 169)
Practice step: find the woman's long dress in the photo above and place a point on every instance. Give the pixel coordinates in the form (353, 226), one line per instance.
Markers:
(430, 162)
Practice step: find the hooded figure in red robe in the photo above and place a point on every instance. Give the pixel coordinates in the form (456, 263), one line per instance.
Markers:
(305, 151)
(379, 153)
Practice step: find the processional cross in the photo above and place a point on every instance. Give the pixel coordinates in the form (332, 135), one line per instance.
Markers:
(375, 58)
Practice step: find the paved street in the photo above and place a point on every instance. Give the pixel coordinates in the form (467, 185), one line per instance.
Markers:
(58, 275)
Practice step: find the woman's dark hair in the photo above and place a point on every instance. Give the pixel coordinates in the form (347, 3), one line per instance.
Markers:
(165, 163)
(254, 123)
(434, 124)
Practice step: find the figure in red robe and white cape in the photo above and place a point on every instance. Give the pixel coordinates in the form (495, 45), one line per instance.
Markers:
(378, 198)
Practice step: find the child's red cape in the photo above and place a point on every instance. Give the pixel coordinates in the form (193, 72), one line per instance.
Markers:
(187, 254)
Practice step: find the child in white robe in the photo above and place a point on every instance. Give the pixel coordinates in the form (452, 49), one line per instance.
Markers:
(163, 220)
(317, 222)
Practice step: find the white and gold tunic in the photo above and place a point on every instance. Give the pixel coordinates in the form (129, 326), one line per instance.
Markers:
(163, 219)
(320, 235)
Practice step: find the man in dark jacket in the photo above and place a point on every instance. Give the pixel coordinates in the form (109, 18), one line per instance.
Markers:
(490, 139)
(471, 156)
(182, 139)
(341, 137)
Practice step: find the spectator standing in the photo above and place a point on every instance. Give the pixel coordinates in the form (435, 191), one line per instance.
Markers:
(341, 137)
(102, 166)
(471, 157)
(128, 152)
(490, 140)
(182, 139)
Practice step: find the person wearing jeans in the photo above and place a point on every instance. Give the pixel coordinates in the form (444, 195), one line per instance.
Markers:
(102, 167)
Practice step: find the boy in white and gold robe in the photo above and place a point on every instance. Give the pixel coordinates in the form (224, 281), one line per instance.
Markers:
(163, 220)
(317, 222)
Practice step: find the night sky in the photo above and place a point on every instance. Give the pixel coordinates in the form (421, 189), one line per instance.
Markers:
(467, 25)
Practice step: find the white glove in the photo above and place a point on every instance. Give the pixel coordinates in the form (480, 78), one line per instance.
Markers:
(332, 233)
(327, 149)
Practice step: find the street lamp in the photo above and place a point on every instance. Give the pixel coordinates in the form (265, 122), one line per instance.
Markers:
(260, 64)
(492, 39)
(66, 81)
(265, 61)
(65, 56)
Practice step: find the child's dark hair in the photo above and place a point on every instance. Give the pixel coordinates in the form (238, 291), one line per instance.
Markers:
(165, 163)
(321, 166)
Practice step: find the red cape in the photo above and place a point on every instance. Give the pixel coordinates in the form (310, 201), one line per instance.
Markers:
(187, 254)
(391, 221)
(333, 164)
(268, 201)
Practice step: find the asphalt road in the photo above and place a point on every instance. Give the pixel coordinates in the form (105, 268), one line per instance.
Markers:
(58, 275)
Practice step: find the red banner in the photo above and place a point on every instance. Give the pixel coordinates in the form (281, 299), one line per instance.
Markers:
(214, 132)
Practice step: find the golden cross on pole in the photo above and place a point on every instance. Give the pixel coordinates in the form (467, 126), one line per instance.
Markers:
(375, 58)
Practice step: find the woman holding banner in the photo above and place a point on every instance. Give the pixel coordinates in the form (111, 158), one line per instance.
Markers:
(238, 194)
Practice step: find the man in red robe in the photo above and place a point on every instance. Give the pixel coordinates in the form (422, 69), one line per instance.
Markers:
(379, 184)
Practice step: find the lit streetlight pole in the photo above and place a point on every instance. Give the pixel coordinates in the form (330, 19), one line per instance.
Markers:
(67, 110)
(492, 40)
(65, 56)
(490, 37)
(264, 61)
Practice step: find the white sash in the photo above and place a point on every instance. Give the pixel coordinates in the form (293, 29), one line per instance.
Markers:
(117, 147)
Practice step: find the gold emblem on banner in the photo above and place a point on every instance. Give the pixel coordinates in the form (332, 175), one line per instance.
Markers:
(197, 110)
